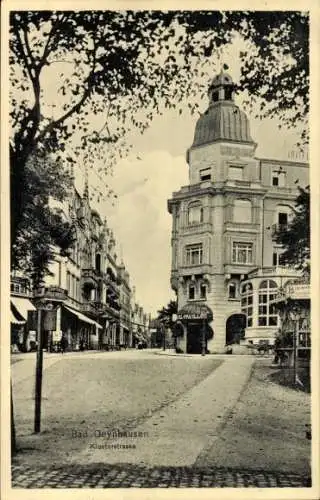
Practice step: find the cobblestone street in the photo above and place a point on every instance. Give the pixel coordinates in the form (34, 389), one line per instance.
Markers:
(120, 476)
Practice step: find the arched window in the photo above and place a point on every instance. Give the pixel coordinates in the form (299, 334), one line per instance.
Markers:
(191, 292)
(242, 211)
(247, 302)
(232, 290)
(195, 213)
(203, 291)
(267, 314)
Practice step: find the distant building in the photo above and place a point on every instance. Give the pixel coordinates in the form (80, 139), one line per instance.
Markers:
(225, 262)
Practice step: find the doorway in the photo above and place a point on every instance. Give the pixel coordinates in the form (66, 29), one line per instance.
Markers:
(235, 328)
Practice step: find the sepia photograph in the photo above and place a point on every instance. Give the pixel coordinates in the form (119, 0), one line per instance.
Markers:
(158, 290)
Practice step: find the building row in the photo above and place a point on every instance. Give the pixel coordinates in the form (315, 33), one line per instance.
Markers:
(227, 267)
(86, 298)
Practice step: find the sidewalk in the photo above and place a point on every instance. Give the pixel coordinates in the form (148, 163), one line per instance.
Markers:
(175, 435)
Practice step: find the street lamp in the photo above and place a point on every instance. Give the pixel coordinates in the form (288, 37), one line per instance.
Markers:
(295, 316)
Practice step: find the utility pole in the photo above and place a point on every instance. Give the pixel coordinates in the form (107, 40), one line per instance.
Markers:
(203, 339)
(39, 368)
(164, 336)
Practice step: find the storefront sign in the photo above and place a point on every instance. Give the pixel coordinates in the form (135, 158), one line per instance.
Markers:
(56, 335)
(191, 316)
(32, 335)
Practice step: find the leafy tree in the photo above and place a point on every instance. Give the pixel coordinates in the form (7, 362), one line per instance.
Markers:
(113, 64)
(43, 228)
(296, 239)
(165, 314)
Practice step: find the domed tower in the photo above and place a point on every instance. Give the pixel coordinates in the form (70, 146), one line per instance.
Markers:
(216, 219)
(224, 128)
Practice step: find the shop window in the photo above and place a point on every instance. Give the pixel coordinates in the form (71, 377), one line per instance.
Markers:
(203, 291)
(242, 253)
(195, 213)
(242, 211)
(247, 303)
(194, 255)
(232, 291)
(267, 313)
(191, 292)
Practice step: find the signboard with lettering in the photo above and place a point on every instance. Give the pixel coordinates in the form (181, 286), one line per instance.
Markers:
(56, 335)
(192, 316)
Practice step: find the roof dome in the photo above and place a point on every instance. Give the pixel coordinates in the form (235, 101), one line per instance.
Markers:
(223, 120)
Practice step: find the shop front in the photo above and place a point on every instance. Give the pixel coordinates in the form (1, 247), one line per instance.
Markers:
(193, 323)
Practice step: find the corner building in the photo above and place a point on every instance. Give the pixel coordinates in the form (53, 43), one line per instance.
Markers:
(224, 256)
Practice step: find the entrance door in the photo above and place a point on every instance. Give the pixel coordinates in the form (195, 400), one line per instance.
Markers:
(235, 328)
(194, 337)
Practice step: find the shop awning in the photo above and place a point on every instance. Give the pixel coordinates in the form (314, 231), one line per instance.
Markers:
(23, 306)
(82, 317)
(15, 321)
(194, 312)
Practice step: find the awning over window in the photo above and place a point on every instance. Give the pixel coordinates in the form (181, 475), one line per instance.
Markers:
(195, 311)
(15, 320)
(23, 306)
(82, 317)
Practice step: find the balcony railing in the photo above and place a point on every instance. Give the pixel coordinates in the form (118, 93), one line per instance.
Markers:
(91, 273)
(52, 293)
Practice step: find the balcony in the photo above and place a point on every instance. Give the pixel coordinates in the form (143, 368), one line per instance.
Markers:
(275, 271)
(95, 307)
(188, 270)
(90, 277)
(54, 293)
(200, 227)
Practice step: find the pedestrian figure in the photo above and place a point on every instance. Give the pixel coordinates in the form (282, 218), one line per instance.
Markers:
(63, 343)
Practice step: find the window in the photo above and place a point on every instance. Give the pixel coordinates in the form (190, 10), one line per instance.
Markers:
(267, 314)
(246, 303)
(68, 281)
(203, 291)
(242, 211)
(228, 94)
(98, 262)
(282, 218)
(232, 291)
(235, 173)
(195, 213)
(242, 253)
(192, 292)
(215, 96)
(194, 255)
(205, 174)
(278, 178)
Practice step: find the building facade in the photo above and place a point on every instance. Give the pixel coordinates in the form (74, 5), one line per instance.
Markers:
(85, 298)
(224, 254)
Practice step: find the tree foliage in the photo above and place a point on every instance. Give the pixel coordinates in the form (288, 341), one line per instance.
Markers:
(80, 80)
(296, 239)
(165, 314)
(43, 229)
